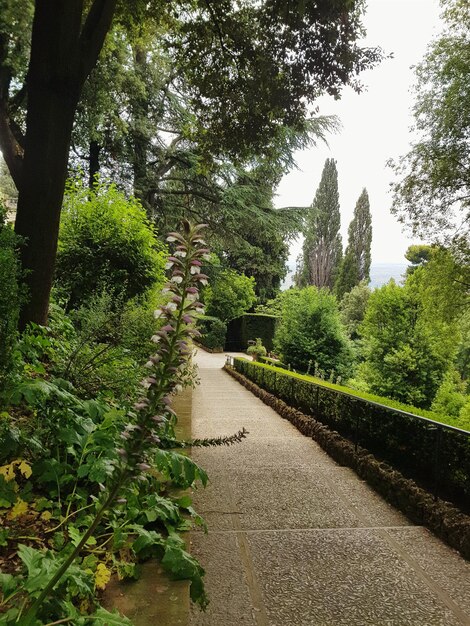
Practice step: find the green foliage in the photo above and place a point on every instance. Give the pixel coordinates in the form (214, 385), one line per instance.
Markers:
(213, 332)
(322, 249)
(353, 308)
(418, 255)
(231, 295)
(359, 393)
(432, 190)
(66, 457)
(11, 294)
(257, 350)
(310, 330)
(404, 358)
(105, 243)
(355, 266)
(248, 327)
(450, 397)
(395, 436)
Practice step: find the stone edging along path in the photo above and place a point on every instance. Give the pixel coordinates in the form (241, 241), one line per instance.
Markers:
(444, 519)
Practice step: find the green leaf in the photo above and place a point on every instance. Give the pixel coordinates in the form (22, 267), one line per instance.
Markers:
(4, 534)
(184, 502)
(146, 539)
(7, 492)
(76, 536)
(9, 583)
(102, 616)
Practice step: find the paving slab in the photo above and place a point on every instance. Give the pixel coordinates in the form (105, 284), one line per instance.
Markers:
(297, 540)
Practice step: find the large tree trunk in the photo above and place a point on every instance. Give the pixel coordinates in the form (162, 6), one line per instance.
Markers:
(140, 140)
(64, 48)
(40, 197)
(94, 163)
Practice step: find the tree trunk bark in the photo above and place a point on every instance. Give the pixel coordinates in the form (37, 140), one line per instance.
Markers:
(41, 195)
(94, 163)
(63, 52)
(139, 137)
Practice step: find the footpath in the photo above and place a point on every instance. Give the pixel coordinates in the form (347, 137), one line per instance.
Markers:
(297, 540)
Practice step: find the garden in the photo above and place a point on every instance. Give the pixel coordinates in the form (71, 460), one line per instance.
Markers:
(143, 144)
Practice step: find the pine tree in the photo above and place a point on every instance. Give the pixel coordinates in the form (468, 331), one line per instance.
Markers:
(355, 266)
(322, 248)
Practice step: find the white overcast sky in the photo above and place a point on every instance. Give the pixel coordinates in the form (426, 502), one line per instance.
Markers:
(375, 125)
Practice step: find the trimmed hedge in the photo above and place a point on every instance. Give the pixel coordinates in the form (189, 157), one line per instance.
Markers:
(249, 327)
(421, 507)
(435, 454)
(213, 331)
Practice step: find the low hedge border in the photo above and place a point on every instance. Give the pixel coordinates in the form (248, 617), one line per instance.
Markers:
(444, 519)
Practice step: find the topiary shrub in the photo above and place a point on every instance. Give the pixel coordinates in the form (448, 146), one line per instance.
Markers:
(257, 350)
(106, 243)
(213, 332)
(248, 327)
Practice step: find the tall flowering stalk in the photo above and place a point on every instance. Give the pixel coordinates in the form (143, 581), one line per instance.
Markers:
(152, 412)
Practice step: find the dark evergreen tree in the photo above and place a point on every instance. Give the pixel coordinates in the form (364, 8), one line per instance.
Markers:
(355, 266)
(322, 248)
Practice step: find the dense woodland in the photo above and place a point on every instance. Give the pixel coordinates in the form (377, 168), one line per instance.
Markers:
(121, 122)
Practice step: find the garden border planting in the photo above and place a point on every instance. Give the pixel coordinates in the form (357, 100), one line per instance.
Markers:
(434, 454)
(420, 506)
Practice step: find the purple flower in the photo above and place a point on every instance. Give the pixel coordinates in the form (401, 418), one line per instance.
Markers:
(143, 466)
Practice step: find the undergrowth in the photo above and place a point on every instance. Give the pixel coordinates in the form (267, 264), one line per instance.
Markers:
(91, 482)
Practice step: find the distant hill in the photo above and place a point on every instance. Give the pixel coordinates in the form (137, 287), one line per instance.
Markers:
(380, 274)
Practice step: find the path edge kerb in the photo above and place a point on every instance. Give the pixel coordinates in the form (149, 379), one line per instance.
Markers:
(441, 517)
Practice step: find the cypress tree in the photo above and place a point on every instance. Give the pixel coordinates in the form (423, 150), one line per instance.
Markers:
(355, 266)
(322, 248)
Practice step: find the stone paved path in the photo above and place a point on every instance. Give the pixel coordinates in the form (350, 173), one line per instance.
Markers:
(297, 540)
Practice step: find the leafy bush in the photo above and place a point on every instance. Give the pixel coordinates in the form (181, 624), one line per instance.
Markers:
(231, 295)
(310, 330)
(213, 332)
(10, 292)
(89, 486)
(450, 397)
(405, 359)
(106, 243)
(257, 350)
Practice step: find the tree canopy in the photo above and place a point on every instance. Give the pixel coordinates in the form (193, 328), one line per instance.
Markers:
(248, 70)
(355, 266)
(322, 248)
(432, 191)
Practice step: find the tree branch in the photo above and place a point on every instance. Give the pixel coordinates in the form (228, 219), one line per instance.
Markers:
(94, 31)
(9, 145)
(179, 192)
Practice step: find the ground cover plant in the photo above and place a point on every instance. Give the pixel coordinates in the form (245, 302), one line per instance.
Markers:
(91, 486)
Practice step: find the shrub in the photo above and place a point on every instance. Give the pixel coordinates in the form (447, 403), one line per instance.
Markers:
(10, 292)
(106, 243)
(249, 326)
(231, 295)
(310, 330)
(405, 358)
(257, 350)
(450, 397)
(213, 332)
(390, 430)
